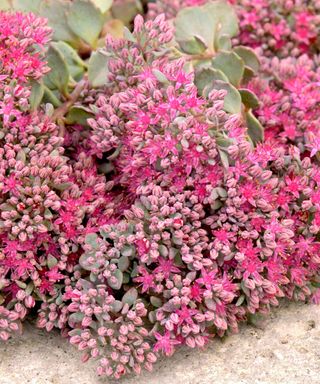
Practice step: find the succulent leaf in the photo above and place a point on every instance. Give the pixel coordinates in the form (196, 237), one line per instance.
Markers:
(37, 92)
(58, 77)
(78, 115)
(194, 46)
(205, 77)
(76, 65)
(26, 5)
(255, 129)
(98, 69)
(249, 99)
(208, 22)
(231, 65)
(85, 20)
(249, 57)
(130, 297)
(115, 281)
(232, 101)
(56, 13)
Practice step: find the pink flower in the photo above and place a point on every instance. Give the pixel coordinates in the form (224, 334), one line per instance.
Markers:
(164, 343)
(147, 280)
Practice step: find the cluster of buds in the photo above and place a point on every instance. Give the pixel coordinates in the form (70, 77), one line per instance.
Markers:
(289, 96)
(281, 27)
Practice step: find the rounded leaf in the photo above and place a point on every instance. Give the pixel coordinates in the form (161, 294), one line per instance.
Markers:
(249, 57)
(98, 69)
(55, 11)
(123, 263)
(74, 62)
(26, 5)
(231, 65)
(78, 115)
(36, 96)
(58, 77)
(205, 76)
(232, 101)
(208, 22)
(249, 99)
(85, 20)
(130, 297)
(115, 281)
(255, 129)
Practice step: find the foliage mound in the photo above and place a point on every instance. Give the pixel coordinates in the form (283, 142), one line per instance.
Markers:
(159, 173)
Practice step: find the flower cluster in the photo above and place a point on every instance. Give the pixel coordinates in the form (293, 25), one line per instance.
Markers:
(281, 27)
(289, 97)
(44, 196)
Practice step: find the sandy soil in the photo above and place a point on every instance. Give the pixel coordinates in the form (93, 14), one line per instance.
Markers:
(286, 350)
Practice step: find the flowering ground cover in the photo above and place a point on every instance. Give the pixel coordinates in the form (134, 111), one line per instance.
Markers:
(159, 170)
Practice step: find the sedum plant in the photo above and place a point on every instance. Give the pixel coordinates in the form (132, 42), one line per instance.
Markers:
(141, 205)
(217, 64)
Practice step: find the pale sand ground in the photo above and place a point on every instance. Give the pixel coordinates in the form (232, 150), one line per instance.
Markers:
(286, 351)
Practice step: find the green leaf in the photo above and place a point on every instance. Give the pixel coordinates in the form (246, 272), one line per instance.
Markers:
(206, 76)
(50, 98)
(160, 76)
(232, 101)
(152, 317)
(156, 301)
(207, 22)
(240, 300)
(103, 5)
(58, 77)
(255, 129)
(130, 297)
(231, 65)
(85, 20)
(249, 57)
(119, 279)
(36, 96)
(224, 43)
(52, 261)
(126, 10)
(127, 250)
(248, 75)
(249, 99)
(224, 158)
(98, 69)
(128, 35)
(76, 65)
(21, 284)
(116, 306)
(78, 115)
(26, 5)
(76, 317)
(55, 11)
(91, 239)
(30, 288)
(123, 263)
(193, 47)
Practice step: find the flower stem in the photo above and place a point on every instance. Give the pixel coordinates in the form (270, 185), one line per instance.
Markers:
(61, 111)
